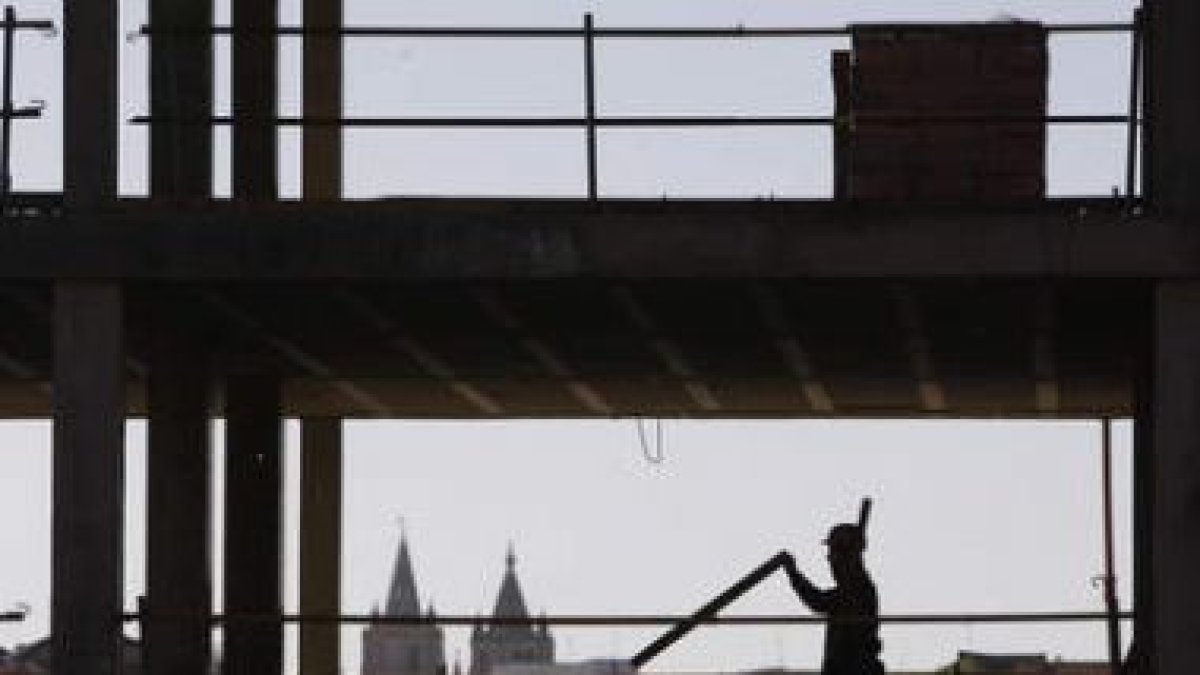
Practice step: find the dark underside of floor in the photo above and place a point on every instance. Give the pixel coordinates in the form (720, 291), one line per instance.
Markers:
(598, 348)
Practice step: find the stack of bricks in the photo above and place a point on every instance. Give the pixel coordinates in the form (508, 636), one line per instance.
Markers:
(931, 113)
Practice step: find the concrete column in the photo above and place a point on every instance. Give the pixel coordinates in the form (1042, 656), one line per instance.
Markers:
(1176, 467)
(253, 524)
(1173, 106)
(321, 444)
(179, 487)
(320, 543)
(90, 39)
(88, 489)
(181, 95)
(1173, 178)
(255, 99)
(323, 98)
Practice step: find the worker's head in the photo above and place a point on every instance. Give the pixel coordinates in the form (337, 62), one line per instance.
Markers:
(846, 537)
(846, 545)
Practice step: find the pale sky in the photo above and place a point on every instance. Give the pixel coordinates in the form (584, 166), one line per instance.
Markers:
(970, 516)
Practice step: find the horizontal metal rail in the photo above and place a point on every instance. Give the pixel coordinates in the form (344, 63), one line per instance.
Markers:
(589, 122)
(631, 620)
(40, 25)
(551, 32)
(638, 121)
(22, 113)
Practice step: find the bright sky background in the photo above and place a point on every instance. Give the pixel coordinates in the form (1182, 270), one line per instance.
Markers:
(970, 516)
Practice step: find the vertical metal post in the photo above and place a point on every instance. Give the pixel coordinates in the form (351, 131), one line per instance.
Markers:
(589, 90)
(842, 72)
(1143, 641)
(10, 27)
(1110, 578)
(1135, 88)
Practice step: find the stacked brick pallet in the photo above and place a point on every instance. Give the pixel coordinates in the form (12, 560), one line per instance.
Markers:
(941, 113)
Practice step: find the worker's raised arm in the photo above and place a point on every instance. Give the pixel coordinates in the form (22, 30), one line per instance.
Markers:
(814, 598)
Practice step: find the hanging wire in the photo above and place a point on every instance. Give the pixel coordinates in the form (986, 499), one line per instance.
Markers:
(655, 455)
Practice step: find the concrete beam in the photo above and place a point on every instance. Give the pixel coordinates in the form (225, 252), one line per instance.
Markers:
(88, 491)
(320, 543)
(253, 525)
(181, 94)
(1176, 488)
(552, 240)
(179, 496)
(90, 39)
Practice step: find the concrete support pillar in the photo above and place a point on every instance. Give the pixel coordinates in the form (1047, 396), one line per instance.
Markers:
(323, 99)
(90, 40)
(320, 543)
(253, 524)
(1173, 106)
(1176, 467)
(321, 444)
(181, 95)
(88, 489)
(255, 99)
(179, 487)
(1173, 185)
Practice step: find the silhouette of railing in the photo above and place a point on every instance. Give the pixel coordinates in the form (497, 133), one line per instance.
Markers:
(8, 110)
(591, 122)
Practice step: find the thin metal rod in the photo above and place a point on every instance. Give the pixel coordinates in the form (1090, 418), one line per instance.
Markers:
(641, 620)
(1149, 102)
(1135, 87)
(29, 24)
(649, 122)
(632, 32)
(1110, 578)
(589, 104)
(10, 20)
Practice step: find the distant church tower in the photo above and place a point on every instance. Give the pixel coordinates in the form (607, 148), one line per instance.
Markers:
(499, 643)
(397, 649)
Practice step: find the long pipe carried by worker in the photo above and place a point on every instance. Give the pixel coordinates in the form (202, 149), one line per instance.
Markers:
(710, 609)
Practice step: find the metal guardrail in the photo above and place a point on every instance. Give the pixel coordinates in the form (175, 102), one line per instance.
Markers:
(591, 122)
(586, 620)
(8, 111)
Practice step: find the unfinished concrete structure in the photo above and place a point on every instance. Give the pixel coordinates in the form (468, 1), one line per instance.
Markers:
(181, 309)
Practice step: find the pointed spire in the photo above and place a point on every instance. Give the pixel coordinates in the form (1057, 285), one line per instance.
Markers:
(402, 594)
(510, 603)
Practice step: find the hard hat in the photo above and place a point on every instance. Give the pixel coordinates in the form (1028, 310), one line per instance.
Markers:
(846, 537)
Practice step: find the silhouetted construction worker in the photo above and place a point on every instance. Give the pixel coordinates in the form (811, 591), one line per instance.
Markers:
(852, 642)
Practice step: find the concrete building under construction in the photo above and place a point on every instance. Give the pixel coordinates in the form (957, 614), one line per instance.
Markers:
(972, 296)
